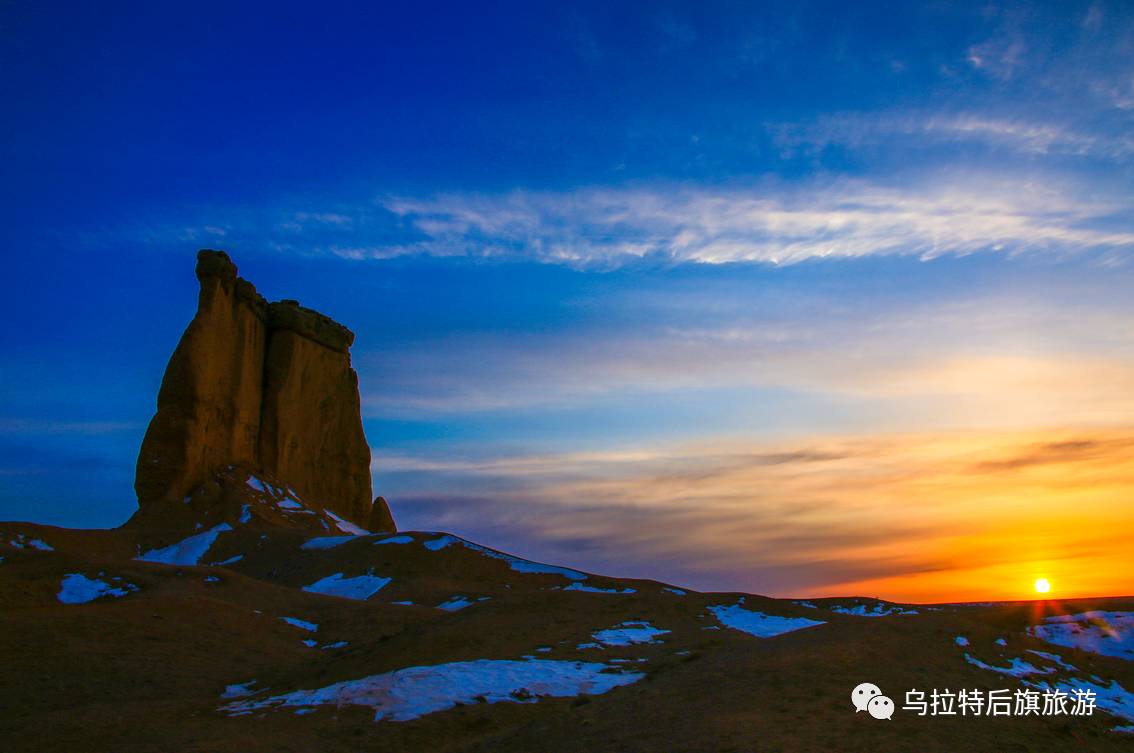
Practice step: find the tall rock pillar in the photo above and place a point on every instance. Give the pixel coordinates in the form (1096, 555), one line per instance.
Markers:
(266, 386)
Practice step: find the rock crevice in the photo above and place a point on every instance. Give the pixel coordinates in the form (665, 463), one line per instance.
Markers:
(262, 385)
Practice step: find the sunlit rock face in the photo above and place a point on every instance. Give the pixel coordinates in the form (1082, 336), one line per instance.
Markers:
(266, 386)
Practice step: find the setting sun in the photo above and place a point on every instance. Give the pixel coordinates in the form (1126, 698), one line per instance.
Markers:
(1042, 586)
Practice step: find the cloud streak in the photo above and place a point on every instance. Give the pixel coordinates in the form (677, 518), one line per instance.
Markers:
(603, 227)
(912, 516)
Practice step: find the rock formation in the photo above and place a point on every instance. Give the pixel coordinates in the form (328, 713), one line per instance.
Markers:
(264, 386)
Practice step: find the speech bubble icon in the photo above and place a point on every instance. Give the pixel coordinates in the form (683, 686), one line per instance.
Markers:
(862, 694)
(880, 707)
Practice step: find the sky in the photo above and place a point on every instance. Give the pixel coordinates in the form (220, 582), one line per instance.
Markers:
(801, 299)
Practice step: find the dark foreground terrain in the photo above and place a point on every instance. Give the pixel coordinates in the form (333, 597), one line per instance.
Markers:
(135, 640)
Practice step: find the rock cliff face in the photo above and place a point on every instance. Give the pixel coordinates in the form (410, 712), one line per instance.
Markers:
(264, 386)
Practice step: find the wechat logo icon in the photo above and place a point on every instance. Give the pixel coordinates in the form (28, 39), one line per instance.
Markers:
(868, 697)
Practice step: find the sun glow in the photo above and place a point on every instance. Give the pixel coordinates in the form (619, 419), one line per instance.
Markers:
(1042, 586)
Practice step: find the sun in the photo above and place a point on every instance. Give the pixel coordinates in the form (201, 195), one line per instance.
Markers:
(1042, 586)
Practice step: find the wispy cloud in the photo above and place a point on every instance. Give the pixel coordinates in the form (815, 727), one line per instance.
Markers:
(767, 222)
(918, 131)
(609, 227)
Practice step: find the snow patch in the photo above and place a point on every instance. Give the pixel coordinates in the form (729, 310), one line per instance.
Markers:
(326, 542)
(628, 634)
(310, 627)
(77, 588)
(345, 525)
(239, 690)
(360, 587)
(401, 539)
(188, 551)
(759, 624)
(1105, 633)
(455, 603)
(961, 641)
(1053, 658)
(672, 590)
(516, 563)
(231, 560)
(416, 691)
(23, 542)
(878, 610)
(1017, 667)
(1113, 698)
(596, 590)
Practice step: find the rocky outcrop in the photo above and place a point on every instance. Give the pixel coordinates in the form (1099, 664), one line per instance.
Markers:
(381, 519)
(264, 386)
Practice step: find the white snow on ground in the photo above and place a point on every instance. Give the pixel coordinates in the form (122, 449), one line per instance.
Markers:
(1001, 642)
(584, 646)
(807, 604)
(336, 644)
(326, 542)
(596, 590)
(230, 560)
(672, 590)
(360, 587)
(290, 504)
(628, 634)
(23, 542)
(1106, 633)
(460, 602)
(310, 627)
(345, 525)
(436, 545)
(239, 690)
(77, 588)
(1017, 668)
(516, 563)
(878, 610)
(257, 484)
(416, 691)
(1112, 698)
(961, 641)
(245, 513)
(759, 624)
(188, 551)
(1054, 658)
(311, 643)
(402, 539)
(455, 603)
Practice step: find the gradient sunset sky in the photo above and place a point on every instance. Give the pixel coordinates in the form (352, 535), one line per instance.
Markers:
(801, 299)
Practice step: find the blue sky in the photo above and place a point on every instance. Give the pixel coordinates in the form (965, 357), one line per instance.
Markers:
(591, 248)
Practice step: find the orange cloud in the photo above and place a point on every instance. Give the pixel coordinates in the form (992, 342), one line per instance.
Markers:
(965, 516)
